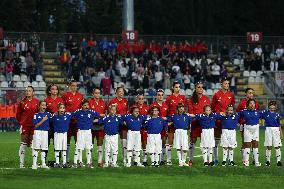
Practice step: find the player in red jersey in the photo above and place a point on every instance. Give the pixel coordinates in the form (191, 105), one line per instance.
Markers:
(241, 106)
(163, 113)
(220, 101)
(143, 110)
(52, 100)
(98, 105)
(121, 108)
(195, 105)
(72, 100)
(172, 102)
(25, 113)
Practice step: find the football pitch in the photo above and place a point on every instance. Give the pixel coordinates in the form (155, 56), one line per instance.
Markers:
(11, 177)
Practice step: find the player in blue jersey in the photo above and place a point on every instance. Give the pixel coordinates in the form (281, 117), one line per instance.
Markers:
(229, 123)
(134, 123)
(154, 126)
(40, 137)
(181, 122)
(61, 121)
(272, 132)
(111, 124)
(85, 118)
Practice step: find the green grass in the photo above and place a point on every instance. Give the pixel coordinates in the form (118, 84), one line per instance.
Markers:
(135, 177)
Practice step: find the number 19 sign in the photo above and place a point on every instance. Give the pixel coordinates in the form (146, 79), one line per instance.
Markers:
(254, 37)
(130, 36)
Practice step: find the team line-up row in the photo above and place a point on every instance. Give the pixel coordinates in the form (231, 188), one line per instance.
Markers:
(166, 125)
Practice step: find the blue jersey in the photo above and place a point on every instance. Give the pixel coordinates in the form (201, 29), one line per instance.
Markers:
(251, 117)
(180, 121)
(134, 123)
(61, 122)
(229, 121)
(155, 125)
(85, 118)
(38, 117)
(272, 119)
(111, 124)
(207, 121)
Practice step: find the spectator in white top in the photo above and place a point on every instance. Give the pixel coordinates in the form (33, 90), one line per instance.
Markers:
(18, 46)
(279, 51)
(158, 78)
(167, 82)
(24, 47)
(123, 72)
(176, 68)
(96, 80)
(187, 79)
(101, 74)
(215, 72)
(274, 64)
(258, 50)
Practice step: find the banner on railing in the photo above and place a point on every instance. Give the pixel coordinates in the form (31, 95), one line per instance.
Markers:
(279, 78)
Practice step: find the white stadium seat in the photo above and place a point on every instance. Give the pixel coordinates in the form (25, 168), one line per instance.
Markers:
(27, 83)
(19, 84)
(246, 74)
(24, 77)
(251, 80)
(209, 92)
(218, 85)
(39, 78)
(213, 86)
(16, 78)
(4, 84)
(182, 92)
(168, 92)
(42, 84)
(35, 84)
(237, 61)
(2, 78)
(252, 73)
(259, 73)
(215, 91)
(188, 92)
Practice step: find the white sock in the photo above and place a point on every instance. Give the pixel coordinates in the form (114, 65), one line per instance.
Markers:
(114, 158)
(231, 155)
(225, 154)
(64, 156)
(43, 157)
(184, 154)
(137, 156)
(129, 156)
(107, 156)
(76, 154)
(205, 154)
(169, 153)
(88, 156)
(278, 154)
(22, 152)
(242, 153)
(157, 157)
(124, 149)
(144, 155)
(246, 155)
(210, 154)
(100, 154)
(179, 156)
(152, 157)
(35, 154)
(163, 154)
(68, 152)
(80, 156)
(255, 154)
(191, 151)
(217, 141)
(56, 153)
(268, 155)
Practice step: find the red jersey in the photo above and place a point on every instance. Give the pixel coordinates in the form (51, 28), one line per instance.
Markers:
(10, 110)
(243, 105)
(143, 110)
(197, 108)
(97, 106)
(173, 101)
(3, 112)
(121, 105)
(221, 100)
(164, 108)
(26, 110)
(72, 101)
(52, 103)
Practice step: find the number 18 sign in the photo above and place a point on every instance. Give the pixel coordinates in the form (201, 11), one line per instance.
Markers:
(130, 36)
(254, 37)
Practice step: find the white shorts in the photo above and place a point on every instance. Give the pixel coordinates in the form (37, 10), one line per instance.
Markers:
(181, 139)
(207, 138)
(84, 140)
(228, 138)
(272, 137)
(154, 144)
(251, 132)
(134, 140)
(40, 140)
(60, 141)
(111, 143)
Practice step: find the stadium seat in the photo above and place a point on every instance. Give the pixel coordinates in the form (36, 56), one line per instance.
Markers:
(16, 78)
(218, 85)
(39, 78)
(27, 83)
(127, 84)
(117, 78)
(127, 60)
(188, 92)
(192, 86)
(120, 84)
(213, 86)
(35, 84)
(42, 84)
(237, 61)
(251, 80)
(252, 73)
(4, 84)
(182, 91)
(82, 90)
(215, 91)
(246, 74)
(19, 84)
(168, 92)
(24, 77)
(115, 85)
(2, 78)
(259, 73)
(209, 60)
(209, 92)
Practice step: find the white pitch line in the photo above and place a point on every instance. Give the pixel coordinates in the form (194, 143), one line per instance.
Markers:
(198, 156)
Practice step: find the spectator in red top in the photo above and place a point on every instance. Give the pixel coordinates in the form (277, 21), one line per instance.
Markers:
(195, 105)
(172, 101)
(9, 71)
(220, 101)
(106, 85)
(25, 113)
(121, 47)
(141, 47)
(241, 106)
(98, 105)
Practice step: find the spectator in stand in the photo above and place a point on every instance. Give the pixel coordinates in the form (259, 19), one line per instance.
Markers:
(24, 47)
(91, 44)
(224, 52)
(258, 50)
(273, 64)
(204, 65)
(247, 61)
(123, 72)
(74, 49)
(32, 71)
(256, 63)
(281, 63)
(84, 44)
(69, 42)
(159, 78)
(104, 44)
(167, 82)
(9, 71)
(279, 51)
(106, 85)
(187, 79)
(215, 72)
(112, 46)
(29, 59)
(65, 58)
(111, 74)
(266, 57)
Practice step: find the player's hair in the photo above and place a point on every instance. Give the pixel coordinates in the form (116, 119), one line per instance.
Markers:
(59, 104)
(111, 106)
(224, 79)
(72, 81)
(96, 88)
(229, 106)
(247, 89)
(249, 100)
(160, 91)
(133, 108)
(41, 102)
(272, 103)
(25, 98)
(48, 88)
(118, 89)
(174, 83)
(194, 94)
(84, 101)
(179, 105)
(152, 108)
(206, 106)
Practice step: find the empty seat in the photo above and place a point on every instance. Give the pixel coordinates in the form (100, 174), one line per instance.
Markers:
(237, 61)
(191, 85)
(19, 84)
(2, 78)
(188, 92)
(213, 86)
(4, 84)
(218, 85)
(215, 91)
(246, 74)
(27, 83)
(259, 73)
(34, 84)
(182, 92)
(252, 73)
(42, 84)
(251, 80)
(209, 92)
(24, 77)
(39, 78)
(16, 78)
(168, 92)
